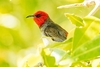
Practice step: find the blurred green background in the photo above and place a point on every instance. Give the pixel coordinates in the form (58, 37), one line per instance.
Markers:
(20, 36)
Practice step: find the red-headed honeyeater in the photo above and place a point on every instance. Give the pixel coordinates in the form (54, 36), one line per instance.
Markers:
(48, 27)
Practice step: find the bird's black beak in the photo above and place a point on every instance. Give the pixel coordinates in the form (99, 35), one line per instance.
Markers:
(30, 16)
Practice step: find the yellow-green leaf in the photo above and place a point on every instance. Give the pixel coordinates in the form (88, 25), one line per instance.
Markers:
(75, 19)
(49, 61)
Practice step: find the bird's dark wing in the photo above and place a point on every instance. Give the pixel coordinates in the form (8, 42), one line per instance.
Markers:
(55, 32)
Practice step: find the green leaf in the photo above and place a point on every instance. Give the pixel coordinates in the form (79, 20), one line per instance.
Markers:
(49, 61)
(88, 50)
(75, 19)
(63, 45)
(88, 32)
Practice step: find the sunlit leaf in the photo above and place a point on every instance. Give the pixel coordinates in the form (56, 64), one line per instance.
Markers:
(63, 45)
(49, 61)
(59, 54)
(75, 20)
(81, 64)
(66, 56)
(88, 50)
(88, 32)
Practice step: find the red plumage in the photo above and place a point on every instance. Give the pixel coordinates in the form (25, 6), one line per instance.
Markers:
(40, 20)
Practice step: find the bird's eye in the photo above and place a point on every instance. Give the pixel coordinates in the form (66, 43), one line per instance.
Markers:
(38, 15)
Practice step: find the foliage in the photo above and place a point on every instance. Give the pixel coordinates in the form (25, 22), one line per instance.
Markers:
(21, 41)
(85, 41)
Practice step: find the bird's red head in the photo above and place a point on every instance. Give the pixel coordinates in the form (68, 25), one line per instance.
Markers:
(39, 17)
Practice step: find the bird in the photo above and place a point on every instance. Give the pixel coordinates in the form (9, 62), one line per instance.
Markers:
(48, 27)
